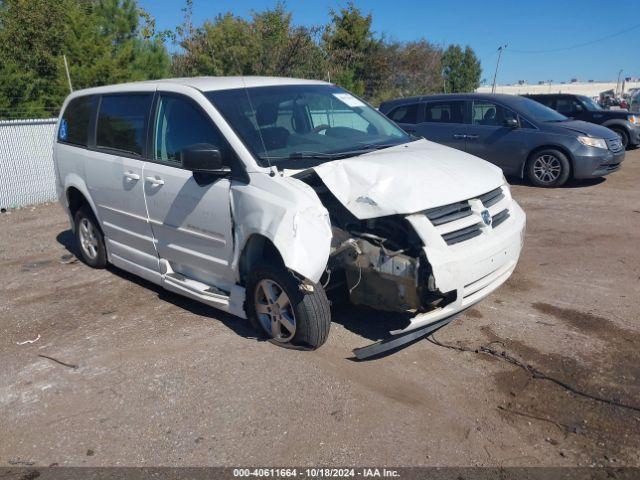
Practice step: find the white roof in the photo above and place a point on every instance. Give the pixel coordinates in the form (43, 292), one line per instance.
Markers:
(204, 84)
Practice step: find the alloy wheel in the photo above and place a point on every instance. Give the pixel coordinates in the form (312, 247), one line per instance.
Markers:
(547, 168)
(88, 238)
(275, 311)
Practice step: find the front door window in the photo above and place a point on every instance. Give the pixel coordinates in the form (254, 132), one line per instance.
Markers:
(180, 124)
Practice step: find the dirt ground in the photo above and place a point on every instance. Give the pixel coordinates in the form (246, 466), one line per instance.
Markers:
(155, 379)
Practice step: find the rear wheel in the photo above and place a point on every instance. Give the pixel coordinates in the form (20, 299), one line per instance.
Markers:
(548, 168)
(623, 136)
(89, 238)
(276, 305)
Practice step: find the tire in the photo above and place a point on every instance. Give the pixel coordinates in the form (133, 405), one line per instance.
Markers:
(89, 238)
(624, 136)
(548, 168)
(308, 312)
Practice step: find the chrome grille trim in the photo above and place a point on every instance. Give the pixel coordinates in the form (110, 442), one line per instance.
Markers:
(463, 234)
(448, 213)
(499, 217)
(492, 197)
(615, 145)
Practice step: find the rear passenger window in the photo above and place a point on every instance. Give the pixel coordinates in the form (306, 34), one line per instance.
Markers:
(405, 114)
(75, 121)
(122, 122)
(180, 124)
(444, 112)
(488, 113)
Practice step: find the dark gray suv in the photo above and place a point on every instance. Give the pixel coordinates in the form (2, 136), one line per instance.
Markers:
(521, 136)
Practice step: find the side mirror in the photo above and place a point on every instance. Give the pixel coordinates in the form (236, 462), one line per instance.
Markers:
(204, 158)
(511, 123)
(579, 108)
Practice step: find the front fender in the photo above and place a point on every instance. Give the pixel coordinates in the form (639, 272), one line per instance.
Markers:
(292, 219)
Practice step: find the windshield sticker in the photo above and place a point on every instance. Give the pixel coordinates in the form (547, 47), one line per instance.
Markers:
(349, 99)
(63, 130)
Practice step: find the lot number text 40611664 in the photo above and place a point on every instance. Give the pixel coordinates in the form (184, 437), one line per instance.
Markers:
(316, 472)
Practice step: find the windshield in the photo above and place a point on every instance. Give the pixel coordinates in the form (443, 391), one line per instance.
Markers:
(590, 104)
(539, 112)
(288, 125)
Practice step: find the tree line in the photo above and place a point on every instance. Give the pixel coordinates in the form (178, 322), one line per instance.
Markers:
(113, 41)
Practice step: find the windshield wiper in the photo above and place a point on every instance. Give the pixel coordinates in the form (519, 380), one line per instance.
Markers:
(380, 146)
(305, 155)
(327, 156)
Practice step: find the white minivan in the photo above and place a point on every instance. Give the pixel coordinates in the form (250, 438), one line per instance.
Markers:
(257, 196)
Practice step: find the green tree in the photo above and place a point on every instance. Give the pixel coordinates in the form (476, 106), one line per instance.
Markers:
(409, 68)
(267, 44)
(104, 42)
(353, 53)
(223, 47)
(461, 69)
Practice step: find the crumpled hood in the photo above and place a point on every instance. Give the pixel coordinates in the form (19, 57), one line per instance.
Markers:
(407, 178)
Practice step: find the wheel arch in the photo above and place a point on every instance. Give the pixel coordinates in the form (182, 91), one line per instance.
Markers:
(76, 195)
(256, 249)
(616, 123)
(560, 148)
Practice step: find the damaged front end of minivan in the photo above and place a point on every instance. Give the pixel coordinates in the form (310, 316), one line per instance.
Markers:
(390, 253)
(379, 261)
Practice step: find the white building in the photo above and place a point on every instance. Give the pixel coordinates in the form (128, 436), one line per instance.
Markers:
(590, 89)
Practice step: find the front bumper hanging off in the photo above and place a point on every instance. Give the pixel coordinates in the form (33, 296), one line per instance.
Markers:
(392, 343)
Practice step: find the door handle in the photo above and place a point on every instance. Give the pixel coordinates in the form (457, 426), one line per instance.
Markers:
(459, 136)
(472, 137)
(131, 176)
(154, 180)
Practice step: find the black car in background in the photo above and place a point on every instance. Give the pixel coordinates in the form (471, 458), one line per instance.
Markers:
(625, 124)
(521, 136)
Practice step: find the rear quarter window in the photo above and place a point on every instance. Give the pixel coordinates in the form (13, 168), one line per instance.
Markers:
(75, 121)
(122, 122)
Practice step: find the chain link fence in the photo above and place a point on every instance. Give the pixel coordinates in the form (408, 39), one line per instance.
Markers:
(27, 175)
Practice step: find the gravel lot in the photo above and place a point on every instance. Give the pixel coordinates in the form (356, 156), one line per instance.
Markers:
(161, 380)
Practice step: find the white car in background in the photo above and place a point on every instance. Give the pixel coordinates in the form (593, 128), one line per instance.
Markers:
(257, 195)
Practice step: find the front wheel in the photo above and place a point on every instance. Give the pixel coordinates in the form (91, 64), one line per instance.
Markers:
(548, 168)
(276, 305)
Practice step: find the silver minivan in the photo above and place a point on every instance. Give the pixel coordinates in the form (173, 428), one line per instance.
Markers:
(258, 195)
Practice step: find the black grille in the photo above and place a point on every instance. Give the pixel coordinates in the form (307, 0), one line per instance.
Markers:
(462, 234)
(500, 217)
(492, 197)
(615, 145)
(448, 213)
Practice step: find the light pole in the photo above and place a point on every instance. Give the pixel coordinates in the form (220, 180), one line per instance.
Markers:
(500, 49)
(618, 82)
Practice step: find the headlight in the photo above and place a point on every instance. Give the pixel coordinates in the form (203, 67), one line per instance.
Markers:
(593, 142)
(633, 119)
